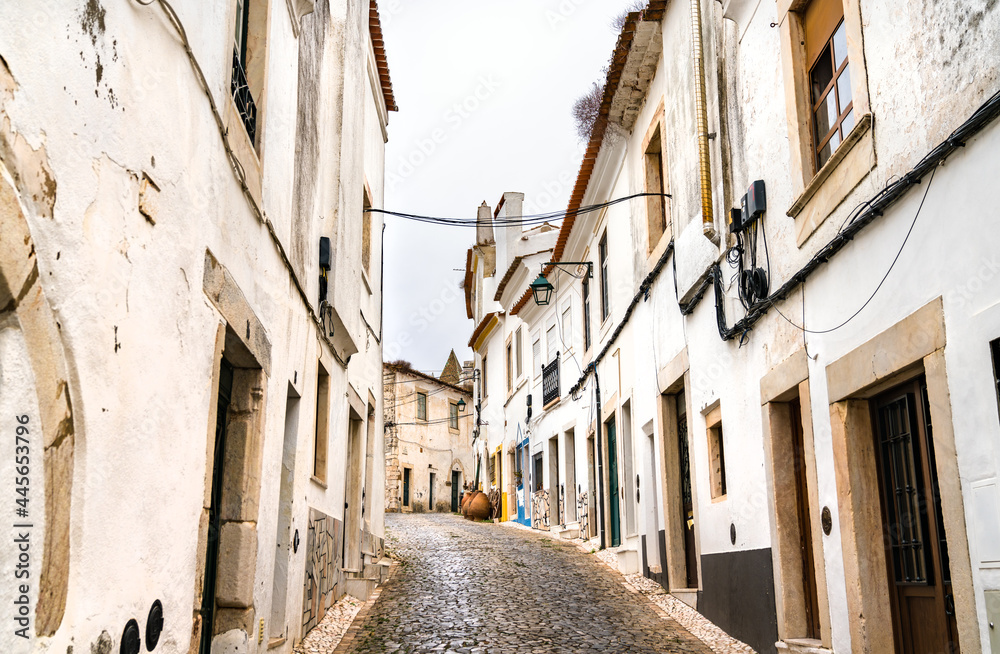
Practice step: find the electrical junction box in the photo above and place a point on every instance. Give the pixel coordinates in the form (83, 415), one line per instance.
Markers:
(755, 200)
(324, 253)
(752, 205)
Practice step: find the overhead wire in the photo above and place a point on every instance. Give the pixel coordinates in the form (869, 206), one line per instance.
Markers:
(884, 277)
(527, 219)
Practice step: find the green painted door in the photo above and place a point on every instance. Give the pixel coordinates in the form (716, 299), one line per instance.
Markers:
(616, 536)
(406, 487)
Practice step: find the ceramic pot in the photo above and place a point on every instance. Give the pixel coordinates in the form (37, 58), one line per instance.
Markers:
(479, 506)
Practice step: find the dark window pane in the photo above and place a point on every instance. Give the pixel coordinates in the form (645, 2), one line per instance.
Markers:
(823, 155)
(844, 88)
(840, 45)
(821, 74)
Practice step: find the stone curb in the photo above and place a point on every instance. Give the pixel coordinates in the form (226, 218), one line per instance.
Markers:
(352, 633)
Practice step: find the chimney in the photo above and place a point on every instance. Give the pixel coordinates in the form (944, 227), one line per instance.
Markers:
(484, 225)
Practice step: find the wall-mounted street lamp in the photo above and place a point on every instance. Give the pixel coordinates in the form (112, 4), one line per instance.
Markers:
(542, 288)
(461, 405)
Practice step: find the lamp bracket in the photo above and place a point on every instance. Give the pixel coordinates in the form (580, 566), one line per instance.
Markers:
(588, 264)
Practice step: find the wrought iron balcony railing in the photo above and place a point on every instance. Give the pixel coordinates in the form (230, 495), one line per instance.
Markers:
(244, 100)
(550, 382)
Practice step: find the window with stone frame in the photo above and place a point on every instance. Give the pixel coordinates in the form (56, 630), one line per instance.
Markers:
(830, 93)
(453, 416)
(248, 65)
(536, 355)
(586, 314)
(510, 367)
(830, 135)
(603, 260)
(322, 432)
(518, 354)
(366, 235)
(421, 406)
(483, 377)
(655, 180)
(716, 454)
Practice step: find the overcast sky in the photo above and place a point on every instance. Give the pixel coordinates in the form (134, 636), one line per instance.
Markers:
(485, 92)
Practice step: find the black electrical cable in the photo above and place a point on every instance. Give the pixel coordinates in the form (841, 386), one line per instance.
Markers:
(884, 277)
(527, 219)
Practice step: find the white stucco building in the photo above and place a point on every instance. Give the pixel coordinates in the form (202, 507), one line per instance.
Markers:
(428, 437)
(191, 316)
(812, 463)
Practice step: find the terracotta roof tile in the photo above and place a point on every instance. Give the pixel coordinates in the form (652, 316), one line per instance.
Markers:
(375, 29)
(653, 12)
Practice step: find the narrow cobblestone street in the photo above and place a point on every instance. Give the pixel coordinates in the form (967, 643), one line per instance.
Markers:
(474, 587)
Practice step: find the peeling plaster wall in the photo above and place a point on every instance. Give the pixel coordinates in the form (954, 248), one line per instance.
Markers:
(107, 90)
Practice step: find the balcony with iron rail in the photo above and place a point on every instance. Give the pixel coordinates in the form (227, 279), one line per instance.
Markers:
(550, 382)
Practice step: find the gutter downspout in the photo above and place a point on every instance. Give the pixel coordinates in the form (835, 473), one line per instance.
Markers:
(600, 457)
(701, 113)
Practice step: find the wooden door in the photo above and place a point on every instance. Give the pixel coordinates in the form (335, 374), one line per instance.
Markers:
(916, 548)
(454, 491)
(687, 498)
(430, 492)
(810, 597)
(616, 537)
(215, 509)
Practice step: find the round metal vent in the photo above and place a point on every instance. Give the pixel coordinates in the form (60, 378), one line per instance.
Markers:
(130, 638)
(154, 625)
(732, 533)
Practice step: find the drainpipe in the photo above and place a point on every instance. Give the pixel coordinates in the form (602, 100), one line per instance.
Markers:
(600, 457)
(701, 113)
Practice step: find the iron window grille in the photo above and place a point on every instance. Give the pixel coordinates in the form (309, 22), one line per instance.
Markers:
(243, 98)
(550, 382)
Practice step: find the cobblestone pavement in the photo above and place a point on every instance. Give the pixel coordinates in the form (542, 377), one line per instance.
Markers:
(484, 588)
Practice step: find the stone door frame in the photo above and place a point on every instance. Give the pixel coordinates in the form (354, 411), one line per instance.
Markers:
(914, 346)
(784, 383)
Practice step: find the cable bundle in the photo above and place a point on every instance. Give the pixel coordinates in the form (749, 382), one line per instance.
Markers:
(753, 282)
(525, 220)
